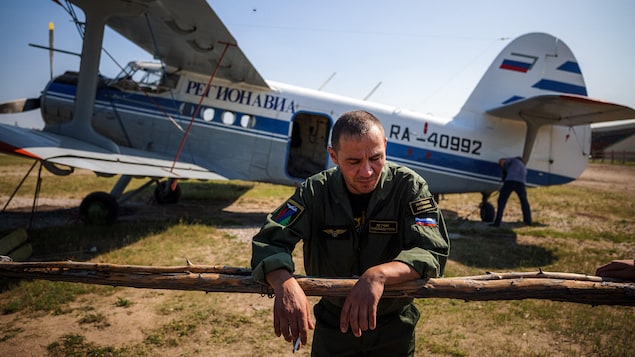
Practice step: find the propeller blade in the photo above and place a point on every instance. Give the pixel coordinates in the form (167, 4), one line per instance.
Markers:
(19, 105)
(51, 46)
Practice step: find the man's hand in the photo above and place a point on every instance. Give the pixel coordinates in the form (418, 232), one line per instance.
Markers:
(360, 307)
(291, 310)
(621, 269)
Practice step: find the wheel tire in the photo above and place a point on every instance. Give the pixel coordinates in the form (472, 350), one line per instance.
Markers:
(488, 212)
(163, 194)
(99, 208)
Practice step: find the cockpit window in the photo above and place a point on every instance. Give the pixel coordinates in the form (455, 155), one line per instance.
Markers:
(146, 76)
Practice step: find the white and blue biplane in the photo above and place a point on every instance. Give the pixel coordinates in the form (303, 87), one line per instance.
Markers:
(204, 112)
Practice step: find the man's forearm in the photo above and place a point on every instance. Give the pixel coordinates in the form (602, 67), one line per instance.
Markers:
(277, 277)
(392, 273)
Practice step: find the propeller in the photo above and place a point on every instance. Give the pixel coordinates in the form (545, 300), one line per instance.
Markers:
(26, 104)
(51, 47)
(19, 105)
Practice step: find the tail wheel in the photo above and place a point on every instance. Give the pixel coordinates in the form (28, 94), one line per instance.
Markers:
(99, 208)
(164, 194)
(488, 212)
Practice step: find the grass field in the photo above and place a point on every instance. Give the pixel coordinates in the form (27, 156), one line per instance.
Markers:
(579, 227)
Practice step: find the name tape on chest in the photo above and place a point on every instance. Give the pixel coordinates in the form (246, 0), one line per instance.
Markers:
(383, 227)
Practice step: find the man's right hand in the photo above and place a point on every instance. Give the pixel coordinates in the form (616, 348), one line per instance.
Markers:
(291, 310)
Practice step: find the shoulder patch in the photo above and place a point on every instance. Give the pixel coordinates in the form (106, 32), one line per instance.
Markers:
(288, 213)
(423, 205)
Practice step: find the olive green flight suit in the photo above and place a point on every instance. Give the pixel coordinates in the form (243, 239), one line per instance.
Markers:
(402, 223)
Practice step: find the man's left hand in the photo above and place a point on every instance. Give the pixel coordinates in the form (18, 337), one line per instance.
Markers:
(360, 308)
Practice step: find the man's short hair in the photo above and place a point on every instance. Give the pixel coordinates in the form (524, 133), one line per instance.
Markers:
(354, 123)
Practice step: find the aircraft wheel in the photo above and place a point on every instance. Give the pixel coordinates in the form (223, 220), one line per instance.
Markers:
(488, 212)
(164, 194)
(99, 208)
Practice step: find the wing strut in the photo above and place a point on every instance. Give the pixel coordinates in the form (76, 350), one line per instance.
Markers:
(18, 186)
(36, 194)
(96, 12)
(198, 107)
(530, 138)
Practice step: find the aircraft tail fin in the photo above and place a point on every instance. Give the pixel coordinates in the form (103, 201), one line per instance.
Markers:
(532, 65)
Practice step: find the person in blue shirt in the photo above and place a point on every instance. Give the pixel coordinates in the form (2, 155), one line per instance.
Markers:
(514, 180)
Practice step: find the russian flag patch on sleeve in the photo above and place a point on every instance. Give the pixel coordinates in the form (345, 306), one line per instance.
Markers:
(426, 222)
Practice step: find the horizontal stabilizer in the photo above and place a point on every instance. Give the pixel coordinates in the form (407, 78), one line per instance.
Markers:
(566, 110)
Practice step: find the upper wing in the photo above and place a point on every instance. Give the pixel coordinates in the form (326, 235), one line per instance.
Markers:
(187, 35)
(64, 150)
(568, 110)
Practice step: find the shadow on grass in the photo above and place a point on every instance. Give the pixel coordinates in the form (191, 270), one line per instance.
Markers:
(476, 244)
(59, 234)
(497, 253)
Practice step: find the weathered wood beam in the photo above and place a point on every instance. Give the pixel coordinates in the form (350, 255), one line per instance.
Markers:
(555, 286)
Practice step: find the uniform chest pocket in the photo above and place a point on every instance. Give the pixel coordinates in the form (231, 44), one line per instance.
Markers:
(338, 252)
(381, 245)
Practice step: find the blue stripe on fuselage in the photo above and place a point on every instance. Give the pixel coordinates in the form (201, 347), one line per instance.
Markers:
(160, 106)
(470, 168)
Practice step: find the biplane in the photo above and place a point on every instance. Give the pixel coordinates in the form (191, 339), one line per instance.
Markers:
(203, 111)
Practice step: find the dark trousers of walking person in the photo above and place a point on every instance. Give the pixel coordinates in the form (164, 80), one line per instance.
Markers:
(505, 192)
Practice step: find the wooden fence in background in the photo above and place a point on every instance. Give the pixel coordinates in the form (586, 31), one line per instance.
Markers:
(613, 157)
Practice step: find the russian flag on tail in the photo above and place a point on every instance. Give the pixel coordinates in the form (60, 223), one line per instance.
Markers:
(517, 66)
(518, 62)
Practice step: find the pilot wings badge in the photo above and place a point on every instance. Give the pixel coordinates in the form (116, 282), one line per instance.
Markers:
(335, 232)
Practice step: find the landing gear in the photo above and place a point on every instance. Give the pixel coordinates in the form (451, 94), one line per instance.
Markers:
(99, 208)
(487, 210)
(164, 194)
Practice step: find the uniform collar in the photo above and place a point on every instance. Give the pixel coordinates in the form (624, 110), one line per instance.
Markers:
(381, 192)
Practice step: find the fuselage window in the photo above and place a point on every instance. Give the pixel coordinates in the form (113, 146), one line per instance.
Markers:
(229, 118)
(208, 114)
(247, 121)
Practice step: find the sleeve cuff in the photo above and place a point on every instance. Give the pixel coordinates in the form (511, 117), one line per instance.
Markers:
(425, 264)
(271, 263)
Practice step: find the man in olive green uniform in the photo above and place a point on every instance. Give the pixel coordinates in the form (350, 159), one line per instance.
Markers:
(363, 218)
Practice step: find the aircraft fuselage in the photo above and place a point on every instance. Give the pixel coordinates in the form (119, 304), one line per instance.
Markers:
(280, 134)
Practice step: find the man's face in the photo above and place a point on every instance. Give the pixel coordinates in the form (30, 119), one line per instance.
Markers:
(361, 160)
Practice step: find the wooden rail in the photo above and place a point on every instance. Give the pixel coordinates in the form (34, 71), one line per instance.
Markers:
(565, 287)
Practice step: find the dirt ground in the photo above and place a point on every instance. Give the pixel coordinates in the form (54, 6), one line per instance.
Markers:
(41, 330)
(617, 178)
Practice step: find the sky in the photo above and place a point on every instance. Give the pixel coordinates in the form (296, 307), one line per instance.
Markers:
(425, 56)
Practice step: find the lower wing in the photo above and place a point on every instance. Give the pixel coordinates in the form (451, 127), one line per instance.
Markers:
(64, 150)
